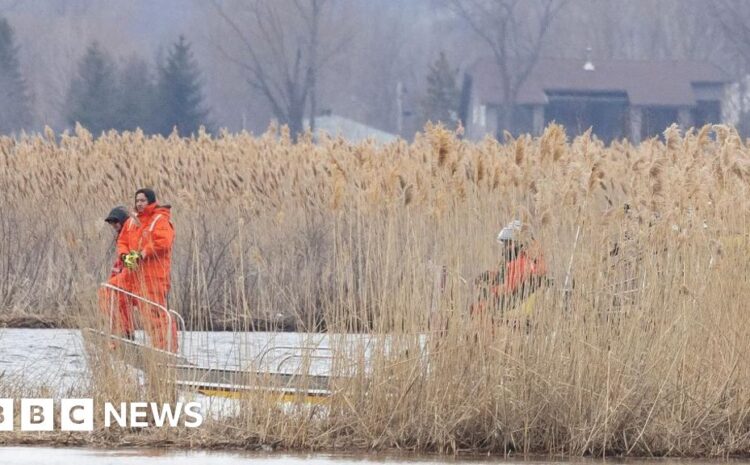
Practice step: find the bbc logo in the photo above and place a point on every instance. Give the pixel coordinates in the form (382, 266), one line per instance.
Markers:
(39, 414)
(78, 415)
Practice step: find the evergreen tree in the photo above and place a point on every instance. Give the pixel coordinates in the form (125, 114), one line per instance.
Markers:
(135, 98)
(92, 97)
(443, 96)
(15, 113)
(179, 93)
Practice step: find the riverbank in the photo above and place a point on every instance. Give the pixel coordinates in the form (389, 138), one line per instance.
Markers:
(184, 442)
(34, 322)
(637, 346)
(287, 325)
(536, 393)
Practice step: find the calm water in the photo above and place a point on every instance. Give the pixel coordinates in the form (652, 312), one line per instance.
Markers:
(54, 456)
(55, 357)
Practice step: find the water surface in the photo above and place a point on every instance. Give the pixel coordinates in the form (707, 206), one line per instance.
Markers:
(56, 357)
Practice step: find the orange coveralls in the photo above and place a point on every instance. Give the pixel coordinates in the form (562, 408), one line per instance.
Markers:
(520, 278)
(117, 305)
(152, 235)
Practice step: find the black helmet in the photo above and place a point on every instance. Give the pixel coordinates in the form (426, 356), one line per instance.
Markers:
(118, 215)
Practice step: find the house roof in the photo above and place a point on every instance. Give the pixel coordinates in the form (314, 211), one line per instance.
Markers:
(648, 83)
(350, 130)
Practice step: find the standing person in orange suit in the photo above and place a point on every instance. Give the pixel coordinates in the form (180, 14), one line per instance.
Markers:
(117, 306)
(146, 252)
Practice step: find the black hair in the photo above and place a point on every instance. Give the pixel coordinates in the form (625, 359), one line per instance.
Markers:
(148, 192)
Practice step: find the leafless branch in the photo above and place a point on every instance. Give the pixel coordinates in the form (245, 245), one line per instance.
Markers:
(513, 36)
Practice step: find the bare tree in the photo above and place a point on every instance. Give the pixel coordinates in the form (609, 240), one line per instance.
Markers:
(692, 34)
(734, 18)
(385, 63)
(54, 36)
(514, 31)
(284, 46)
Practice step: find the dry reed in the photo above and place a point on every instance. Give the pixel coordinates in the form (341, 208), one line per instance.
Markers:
(638, 347)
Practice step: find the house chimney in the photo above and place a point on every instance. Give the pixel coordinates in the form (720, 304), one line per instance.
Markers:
(589, 65)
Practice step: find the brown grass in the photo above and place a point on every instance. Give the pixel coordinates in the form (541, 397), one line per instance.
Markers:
(644, 354)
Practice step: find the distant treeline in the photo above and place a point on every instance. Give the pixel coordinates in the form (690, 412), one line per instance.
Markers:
(104, 95)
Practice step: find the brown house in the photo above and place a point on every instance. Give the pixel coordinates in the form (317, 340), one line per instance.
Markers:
(616, 98)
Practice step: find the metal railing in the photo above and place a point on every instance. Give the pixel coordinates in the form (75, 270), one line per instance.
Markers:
(297, 354)
(301, 353)
(170, 313)
(302, 357)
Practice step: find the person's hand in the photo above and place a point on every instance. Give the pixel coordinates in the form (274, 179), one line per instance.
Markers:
(131, 259)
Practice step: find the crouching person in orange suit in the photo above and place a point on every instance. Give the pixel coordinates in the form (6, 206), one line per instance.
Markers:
(512, 286)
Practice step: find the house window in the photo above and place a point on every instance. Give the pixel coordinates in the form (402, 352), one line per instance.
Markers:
(523, 120)
(706, 112)
(656, 120)
(604, 112)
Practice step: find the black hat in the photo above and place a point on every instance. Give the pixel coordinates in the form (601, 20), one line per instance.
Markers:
(118, 215)
(149, 193)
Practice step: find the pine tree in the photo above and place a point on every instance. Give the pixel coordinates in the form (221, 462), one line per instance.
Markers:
(15, 113)
(92, 97)
(135, 97)
(179, 93)
(443, 96)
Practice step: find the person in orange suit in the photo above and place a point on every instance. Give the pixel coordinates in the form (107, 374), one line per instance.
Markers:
(117, 306)
(519, 276)
(146, 251)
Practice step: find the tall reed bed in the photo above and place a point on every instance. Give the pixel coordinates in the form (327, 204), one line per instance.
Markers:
(637, 347)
